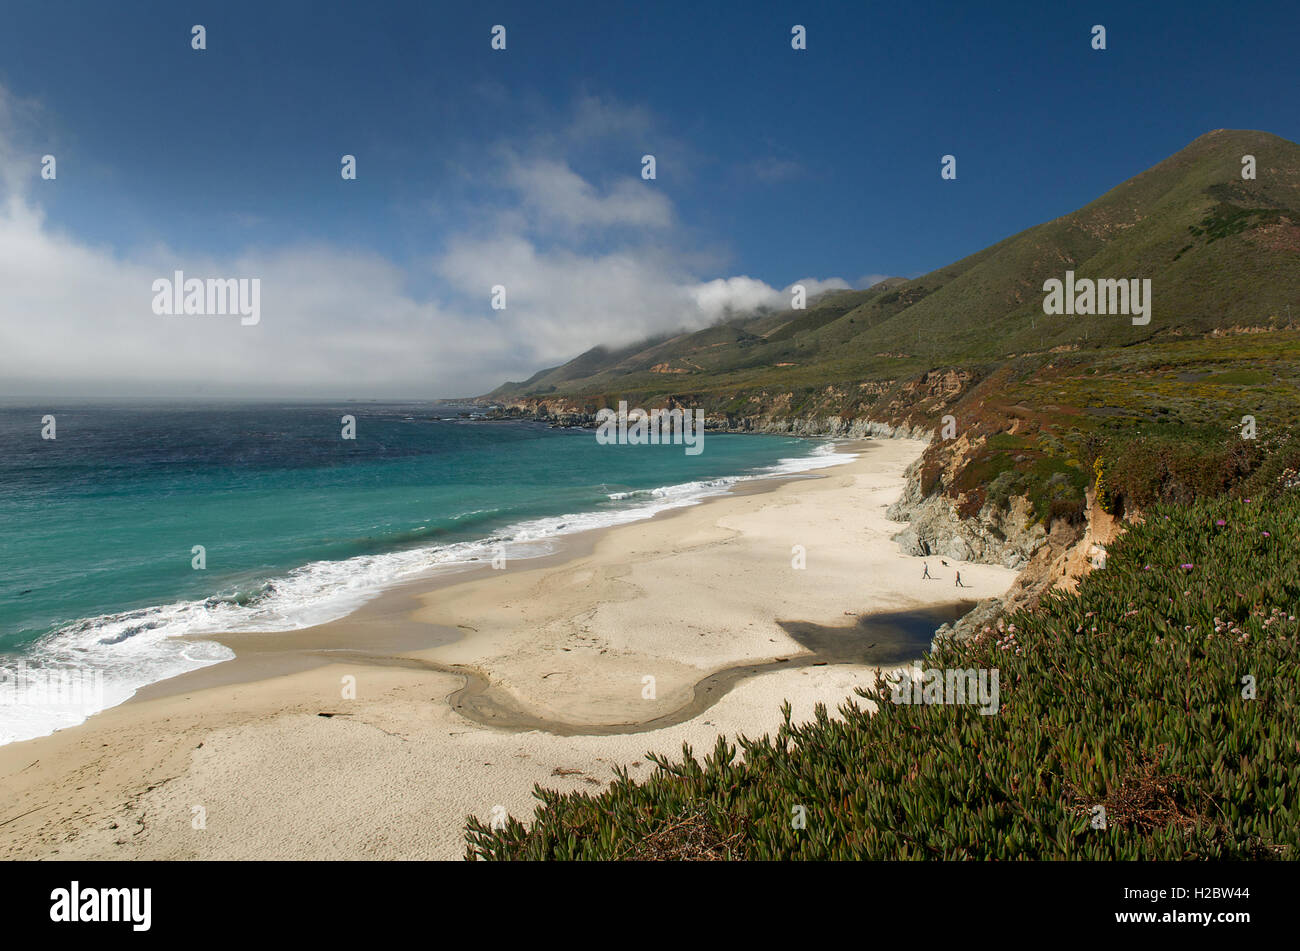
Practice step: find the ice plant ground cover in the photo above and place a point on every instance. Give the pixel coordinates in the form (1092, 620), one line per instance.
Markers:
(1165, 692)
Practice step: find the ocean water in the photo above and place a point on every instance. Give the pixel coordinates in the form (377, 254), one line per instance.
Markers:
(298, 526)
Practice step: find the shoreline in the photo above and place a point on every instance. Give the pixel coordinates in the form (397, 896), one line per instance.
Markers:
(321, 600)
(383, 621)
(704, 599)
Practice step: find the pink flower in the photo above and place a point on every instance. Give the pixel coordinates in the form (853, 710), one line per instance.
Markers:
(1220, 522)
(1187, 567)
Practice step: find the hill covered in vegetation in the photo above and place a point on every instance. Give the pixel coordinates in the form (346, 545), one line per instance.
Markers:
(1150, 715)
(1221, 252)
(1162, 690)
(1034, 400)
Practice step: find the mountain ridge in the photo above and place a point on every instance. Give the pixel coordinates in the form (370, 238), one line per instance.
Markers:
(1221, 252)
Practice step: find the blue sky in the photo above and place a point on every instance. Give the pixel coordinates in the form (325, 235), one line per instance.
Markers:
(774, 165)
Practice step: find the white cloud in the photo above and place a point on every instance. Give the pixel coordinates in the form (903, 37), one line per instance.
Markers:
(870, 280)
(739, 295)
(722, 296)
(555, 194)
(813, 286)
(596, 118)
(559, 303)
(77, 319)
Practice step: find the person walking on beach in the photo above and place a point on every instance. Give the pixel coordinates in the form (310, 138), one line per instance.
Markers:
(926, 573)
(959, 584)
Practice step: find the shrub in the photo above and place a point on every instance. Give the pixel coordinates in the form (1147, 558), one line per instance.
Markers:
(1101, 488)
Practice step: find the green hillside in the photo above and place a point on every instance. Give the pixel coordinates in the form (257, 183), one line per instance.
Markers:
(1163, 691)
(1221, 252)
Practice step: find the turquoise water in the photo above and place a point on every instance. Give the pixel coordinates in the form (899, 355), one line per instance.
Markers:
(298, 525)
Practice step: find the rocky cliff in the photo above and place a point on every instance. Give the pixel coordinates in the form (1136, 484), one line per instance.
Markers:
(935, 518)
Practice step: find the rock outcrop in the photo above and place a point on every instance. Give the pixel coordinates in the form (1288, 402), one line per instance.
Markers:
(1010, 535)
(1065, 556)
(823, 426)
(564, 413)
(1007, 537)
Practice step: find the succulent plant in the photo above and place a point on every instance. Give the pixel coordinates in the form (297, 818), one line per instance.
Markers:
(1168, 696)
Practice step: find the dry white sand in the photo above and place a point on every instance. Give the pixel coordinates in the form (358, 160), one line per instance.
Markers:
(238, 768)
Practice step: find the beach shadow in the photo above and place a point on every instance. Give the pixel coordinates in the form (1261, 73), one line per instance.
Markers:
(877, 640)
(885, 639)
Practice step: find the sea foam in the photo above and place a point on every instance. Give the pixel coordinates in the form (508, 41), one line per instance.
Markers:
(132, 649)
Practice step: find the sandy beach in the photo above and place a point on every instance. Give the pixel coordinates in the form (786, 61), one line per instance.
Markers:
(373, 737)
